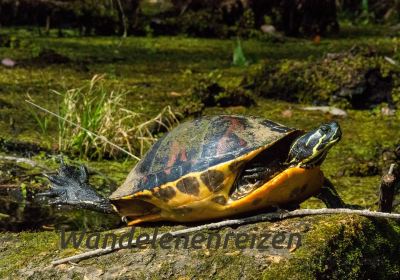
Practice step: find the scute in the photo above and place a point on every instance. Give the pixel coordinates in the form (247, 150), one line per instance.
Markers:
(197, 145)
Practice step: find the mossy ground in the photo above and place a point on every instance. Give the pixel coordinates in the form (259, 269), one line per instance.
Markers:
(344, 247)
(150, 69)
(332, 247)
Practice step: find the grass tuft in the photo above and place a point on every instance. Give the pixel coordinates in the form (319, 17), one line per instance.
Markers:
(93, 123)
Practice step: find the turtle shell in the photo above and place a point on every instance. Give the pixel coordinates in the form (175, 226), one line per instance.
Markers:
(198, 145)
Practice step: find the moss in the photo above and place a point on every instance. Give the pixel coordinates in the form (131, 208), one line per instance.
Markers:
(333, 247)
(358, 78)
(206, 91)
(152, 68)
(21, 249)
(348, 247)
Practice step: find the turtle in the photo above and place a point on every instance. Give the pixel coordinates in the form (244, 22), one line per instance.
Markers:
(212, 167)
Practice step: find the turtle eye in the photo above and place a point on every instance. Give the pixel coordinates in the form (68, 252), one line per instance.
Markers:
(325, 129)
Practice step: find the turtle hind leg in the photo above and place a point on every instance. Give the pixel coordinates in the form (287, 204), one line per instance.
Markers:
(148, 218)
(70, 186)
(330, 196)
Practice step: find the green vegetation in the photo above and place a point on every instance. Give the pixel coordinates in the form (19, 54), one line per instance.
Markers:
(93, 123)
(159, 72)
(332, 247)
(145, 75)
(353, 79)
(344, 247)
(238, 56)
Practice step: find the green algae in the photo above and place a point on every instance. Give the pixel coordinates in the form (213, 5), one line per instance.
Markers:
(19, 249)
(348, 247)
(150, 69)
(340, 79)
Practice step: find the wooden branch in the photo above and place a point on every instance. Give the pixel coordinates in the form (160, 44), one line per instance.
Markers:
(24, 160)
(235, 222)
(9, 186)
(387, 190)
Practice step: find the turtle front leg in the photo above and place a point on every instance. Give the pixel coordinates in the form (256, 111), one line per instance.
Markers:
(330, 196)
(70, 186)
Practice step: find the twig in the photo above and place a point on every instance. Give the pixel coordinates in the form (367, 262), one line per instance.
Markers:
(390, 60)
(9, 185)
(387, 190)
(235, 222)
(24, 160)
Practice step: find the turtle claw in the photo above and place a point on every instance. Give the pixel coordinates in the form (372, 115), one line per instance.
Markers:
(56, 201)
(83, 174)
(70, 186)
(48, 194)
(53, 179)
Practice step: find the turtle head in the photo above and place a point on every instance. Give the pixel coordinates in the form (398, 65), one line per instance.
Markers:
(310, 149)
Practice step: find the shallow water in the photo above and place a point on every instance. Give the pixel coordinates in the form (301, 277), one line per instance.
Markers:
(23, 210)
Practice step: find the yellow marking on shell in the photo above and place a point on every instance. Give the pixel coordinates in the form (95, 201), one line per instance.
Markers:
(203, 206)
(137, 195)
(181, 198)
(276, 192)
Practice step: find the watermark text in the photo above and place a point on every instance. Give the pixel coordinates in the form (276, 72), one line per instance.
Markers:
(199, 240)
